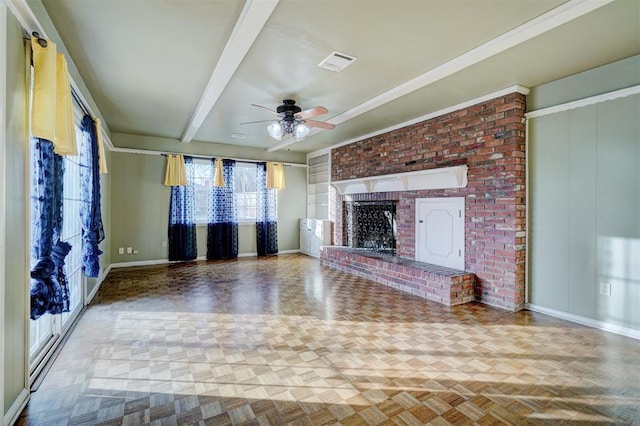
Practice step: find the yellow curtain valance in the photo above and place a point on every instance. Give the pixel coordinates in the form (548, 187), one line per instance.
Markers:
(275, 175)
(52, 109)
(102, 160)
(176, 174)
(218, 178)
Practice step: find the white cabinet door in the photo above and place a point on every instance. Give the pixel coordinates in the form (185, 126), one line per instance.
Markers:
(305, 236)
(440, 231)
(314, 233)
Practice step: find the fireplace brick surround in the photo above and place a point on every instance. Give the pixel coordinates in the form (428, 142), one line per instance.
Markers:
(489, 138)
(443, 285)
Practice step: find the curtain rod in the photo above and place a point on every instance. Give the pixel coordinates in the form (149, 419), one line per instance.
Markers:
(74, 93)
(241, 160)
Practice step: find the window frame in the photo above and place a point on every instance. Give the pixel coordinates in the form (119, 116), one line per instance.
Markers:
(199, 166)
(246, 220)
(204, 182)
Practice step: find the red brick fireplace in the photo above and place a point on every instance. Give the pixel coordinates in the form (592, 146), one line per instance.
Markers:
(489, 138)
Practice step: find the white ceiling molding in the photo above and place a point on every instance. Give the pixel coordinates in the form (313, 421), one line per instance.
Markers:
(513, 89)
(253, 17)
(543, 23)
(440, 178)
(208, 157)
(554, 18)
(604, 97)
(23, 13)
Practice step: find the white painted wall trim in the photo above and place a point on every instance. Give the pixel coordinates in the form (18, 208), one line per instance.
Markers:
(16, 408)
(166, 261)
(139, 263)
(3, 145)
(605, 326)
(252, 19)
(288, 251)
(154, 152)
(604, 97)
(548, 21)
(103, 276)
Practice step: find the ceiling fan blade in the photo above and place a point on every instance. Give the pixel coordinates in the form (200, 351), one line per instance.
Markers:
(311, 112)
(268, 109)
(253, 122)
(320, 124)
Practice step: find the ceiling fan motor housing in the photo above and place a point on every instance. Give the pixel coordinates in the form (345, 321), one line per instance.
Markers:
(288, 109)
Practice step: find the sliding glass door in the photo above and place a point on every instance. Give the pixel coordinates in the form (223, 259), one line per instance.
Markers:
(46, 330)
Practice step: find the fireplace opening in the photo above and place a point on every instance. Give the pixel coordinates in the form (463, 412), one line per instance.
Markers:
(371, 225)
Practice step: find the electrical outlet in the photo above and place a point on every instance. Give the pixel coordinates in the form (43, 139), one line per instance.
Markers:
(605, 289)
(136, 252)
(164, 244)
(129, 250)
(121, 250)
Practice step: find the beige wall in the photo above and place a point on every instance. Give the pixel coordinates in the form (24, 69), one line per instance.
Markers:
(122, 140)
(584, 200)
(140, 209)
(16, 218)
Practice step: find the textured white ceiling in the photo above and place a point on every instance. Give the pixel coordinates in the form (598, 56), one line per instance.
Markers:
(147, 63)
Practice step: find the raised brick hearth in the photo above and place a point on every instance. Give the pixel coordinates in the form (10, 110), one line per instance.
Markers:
(489, 138)
(443, 285)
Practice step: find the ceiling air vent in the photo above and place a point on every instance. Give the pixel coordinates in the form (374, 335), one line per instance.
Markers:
(337, 61)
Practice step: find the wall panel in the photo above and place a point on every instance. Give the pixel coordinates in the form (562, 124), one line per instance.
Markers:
(584, 208)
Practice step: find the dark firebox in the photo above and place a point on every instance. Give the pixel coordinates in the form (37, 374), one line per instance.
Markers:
(371, 225)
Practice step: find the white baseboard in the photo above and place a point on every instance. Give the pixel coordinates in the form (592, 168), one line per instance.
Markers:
(280, 252)
(612, 328)
(165, 261)
(101, 278)
(289, 251)
(247, 254)
(16, 408)
(139, 263)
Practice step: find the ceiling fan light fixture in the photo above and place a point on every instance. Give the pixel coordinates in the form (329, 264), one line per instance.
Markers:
(275, 130)
(302, 131)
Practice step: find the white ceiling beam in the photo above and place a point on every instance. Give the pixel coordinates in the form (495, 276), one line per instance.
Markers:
(546, 22)
(253, 17)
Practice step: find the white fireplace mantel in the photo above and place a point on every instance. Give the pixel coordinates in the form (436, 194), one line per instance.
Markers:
(440, 178)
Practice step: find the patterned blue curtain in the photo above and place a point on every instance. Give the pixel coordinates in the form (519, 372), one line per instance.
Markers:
(222, 229)
(266, 214)
(49, 290)
(182, 218)
(92, 229)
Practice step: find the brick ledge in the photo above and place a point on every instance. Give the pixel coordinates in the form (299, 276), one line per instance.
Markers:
(439, 284)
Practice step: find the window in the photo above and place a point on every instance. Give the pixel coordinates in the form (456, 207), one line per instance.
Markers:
(245, 190)
(202, 182)
(42, 330)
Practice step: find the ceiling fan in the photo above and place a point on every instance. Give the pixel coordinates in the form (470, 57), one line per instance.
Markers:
(292, 121)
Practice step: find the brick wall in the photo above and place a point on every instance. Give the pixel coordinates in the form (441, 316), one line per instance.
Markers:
(490, 139)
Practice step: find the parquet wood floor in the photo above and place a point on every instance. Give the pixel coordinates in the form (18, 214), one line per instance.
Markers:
(284, 340)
